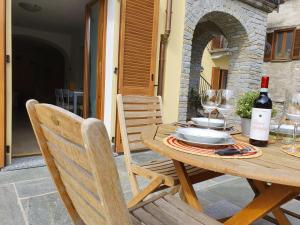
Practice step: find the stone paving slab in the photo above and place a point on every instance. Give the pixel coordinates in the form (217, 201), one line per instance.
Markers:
(27, 189)
(10, 211)
(28, 196)
(45, 210)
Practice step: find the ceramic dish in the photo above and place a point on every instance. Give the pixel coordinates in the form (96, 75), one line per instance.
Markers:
(226, 142)
(203, 136)
(214, 123)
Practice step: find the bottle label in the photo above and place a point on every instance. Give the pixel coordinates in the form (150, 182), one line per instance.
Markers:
(260, 124)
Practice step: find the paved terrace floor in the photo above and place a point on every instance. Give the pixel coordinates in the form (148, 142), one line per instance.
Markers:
(28, 196)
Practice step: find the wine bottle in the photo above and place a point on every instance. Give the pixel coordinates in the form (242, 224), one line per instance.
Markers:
(261, 116)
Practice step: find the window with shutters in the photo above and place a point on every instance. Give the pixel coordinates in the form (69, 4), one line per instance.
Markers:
(282, 45)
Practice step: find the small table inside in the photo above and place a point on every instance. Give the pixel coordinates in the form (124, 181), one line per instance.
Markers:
(275, 175)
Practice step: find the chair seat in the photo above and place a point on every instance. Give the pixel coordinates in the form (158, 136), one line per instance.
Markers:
(166, 169)
(168, 210)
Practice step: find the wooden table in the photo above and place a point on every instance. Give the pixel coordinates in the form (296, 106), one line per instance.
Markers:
(275, 176)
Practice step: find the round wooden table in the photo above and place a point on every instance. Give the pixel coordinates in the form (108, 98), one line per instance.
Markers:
(275, 176)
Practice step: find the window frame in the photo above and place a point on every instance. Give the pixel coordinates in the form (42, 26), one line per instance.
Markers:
(283, 47)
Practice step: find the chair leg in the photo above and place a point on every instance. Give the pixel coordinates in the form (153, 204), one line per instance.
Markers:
(133, 183)
(154, 184)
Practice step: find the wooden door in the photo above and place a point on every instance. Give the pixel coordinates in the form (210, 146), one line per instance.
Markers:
(2, 83)
(216, 78)
(137, 50)
(94, 59)
(219, 78)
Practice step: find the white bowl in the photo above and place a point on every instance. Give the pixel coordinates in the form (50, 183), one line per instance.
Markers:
(202, 121)
(203, 135)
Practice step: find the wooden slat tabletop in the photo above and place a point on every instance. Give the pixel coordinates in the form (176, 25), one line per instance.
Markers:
(273, 166)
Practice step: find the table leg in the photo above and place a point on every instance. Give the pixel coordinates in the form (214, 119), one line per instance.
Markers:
(271, 198)
(259, 187)
(187, 187)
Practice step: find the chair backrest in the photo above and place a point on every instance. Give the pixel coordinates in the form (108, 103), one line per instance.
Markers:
(79, 157)
(135, 113)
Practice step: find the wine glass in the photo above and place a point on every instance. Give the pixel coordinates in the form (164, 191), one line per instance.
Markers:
(292, 111)
(208, 101)
(225, 104)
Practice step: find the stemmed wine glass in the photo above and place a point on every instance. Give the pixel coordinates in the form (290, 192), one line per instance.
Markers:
(225, 104)
(292, 110)
(208, 101)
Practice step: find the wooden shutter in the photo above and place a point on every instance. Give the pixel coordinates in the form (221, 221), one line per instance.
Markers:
(2, 83)
(296, 50)
(138, 44)
(216, 78)
(268, 47)
(137, 50)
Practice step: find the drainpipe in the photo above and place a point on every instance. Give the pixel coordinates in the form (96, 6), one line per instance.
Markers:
(163, 47)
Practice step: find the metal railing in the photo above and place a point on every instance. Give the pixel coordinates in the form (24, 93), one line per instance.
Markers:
(203, 85)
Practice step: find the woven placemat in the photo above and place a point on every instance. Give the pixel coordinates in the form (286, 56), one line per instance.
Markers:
(210, 152)
(286, 150)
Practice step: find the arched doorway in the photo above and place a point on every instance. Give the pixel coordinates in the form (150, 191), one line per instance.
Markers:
(38, 69)
(243, 27)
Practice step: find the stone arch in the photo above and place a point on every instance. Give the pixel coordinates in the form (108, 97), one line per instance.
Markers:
(244, 28)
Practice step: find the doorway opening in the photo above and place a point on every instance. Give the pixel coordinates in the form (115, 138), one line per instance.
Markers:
(38, 69)
(48, 62)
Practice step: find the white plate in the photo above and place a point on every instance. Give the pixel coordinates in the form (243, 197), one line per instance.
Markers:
(203, 136)
(196, 143)
(284, 129)
(214, 123)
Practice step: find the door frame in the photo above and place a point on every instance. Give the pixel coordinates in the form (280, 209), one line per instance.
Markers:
(2, 82)
(101, 59)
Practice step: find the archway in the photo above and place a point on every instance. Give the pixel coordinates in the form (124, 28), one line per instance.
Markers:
(243, 27)
(38, 69)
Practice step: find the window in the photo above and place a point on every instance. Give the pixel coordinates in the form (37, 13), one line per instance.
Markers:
(282, 45)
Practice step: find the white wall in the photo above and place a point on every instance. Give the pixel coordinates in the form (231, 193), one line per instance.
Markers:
(109, 101)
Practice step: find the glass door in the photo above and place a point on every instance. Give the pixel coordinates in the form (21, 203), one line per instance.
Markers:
(94, 60)
(94, 19)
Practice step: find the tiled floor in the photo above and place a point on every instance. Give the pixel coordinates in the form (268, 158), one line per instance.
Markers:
(28, 197)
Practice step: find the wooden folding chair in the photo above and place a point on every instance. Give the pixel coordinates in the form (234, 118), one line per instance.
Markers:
(135, 113)
(79, 157)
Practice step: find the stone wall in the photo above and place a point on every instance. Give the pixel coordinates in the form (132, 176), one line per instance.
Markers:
(243, 25)
(283, 75)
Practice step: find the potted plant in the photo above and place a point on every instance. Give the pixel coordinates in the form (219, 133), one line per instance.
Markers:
(244, 110)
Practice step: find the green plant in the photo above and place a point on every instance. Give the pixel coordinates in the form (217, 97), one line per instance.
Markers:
(245, 104)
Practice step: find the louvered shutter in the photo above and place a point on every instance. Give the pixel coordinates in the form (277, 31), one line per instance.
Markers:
(137, 50)
(138, 44)
(296, 51)
(268, 47)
